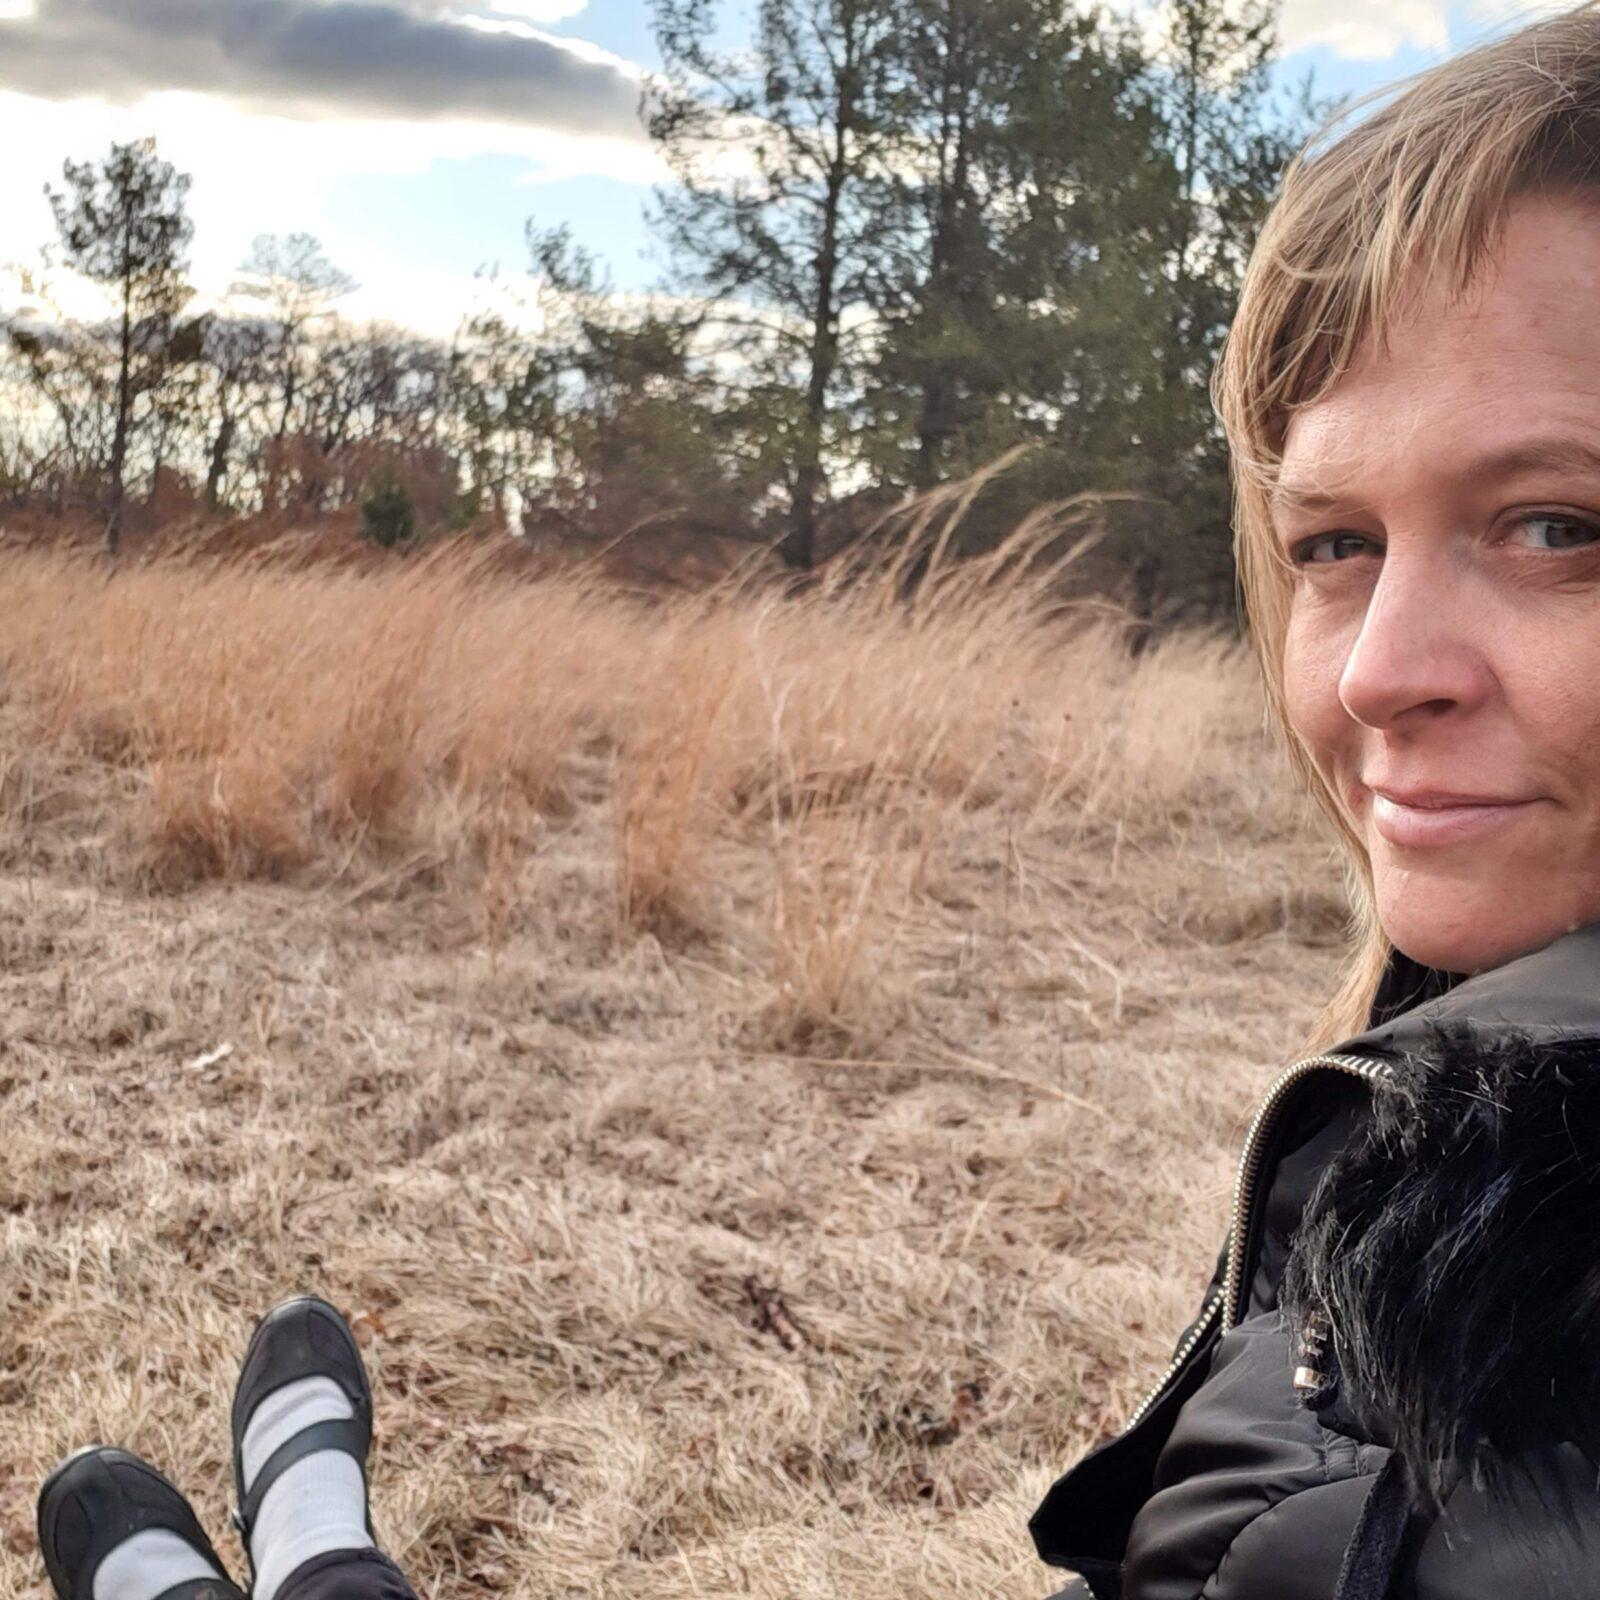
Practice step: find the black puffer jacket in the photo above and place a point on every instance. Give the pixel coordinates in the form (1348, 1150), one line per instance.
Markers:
(1417, 1241)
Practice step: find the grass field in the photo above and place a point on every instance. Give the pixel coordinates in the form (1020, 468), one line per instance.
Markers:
(762, 1073)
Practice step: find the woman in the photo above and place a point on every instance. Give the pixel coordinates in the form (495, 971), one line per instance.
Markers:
(1393, 1386)
(111, 1527)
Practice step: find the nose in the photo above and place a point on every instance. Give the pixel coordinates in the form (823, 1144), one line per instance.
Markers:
(1420, 650)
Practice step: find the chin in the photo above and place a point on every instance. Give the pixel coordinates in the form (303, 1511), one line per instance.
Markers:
(1457, 928)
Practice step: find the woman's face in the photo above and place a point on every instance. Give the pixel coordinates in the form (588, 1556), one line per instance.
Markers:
(1442, 507)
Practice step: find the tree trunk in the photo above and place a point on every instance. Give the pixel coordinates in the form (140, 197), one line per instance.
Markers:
(1146, 576)
(221, 448)
(935, 424)
(799, 547)
(119, 441)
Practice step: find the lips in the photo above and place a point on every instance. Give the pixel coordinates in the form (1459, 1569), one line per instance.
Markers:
(1420, 818)
(1438, 799)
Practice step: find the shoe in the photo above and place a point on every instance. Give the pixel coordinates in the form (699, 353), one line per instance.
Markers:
(302, 1338)
(100, 1497)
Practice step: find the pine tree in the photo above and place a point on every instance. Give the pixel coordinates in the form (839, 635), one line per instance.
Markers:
(1022, 125)
(123, 223)
(1230, 130)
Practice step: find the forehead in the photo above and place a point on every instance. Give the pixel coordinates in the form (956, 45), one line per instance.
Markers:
(1461, 372)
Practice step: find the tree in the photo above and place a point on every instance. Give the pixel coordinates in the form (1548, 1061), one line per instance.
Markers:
(1020, 126)
(1074, 206)
(238, 354)
(504, 395)
(776, 151)
(1230, 132)
(376, 398)
(626, 421)
(71, 376)
(123, 224)
(295, 286)
(1214, 58)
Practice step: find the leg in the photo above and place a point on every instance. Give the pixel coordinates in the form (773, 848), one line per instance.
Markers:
(348, 1575)
(302, 1426)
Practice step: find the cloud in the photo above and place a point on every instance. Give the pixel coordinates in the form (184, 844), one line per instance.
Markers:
(1376, 30)
(540, 10)
(338, 58)
(256, 173)
(527, 10)
(1365, 30)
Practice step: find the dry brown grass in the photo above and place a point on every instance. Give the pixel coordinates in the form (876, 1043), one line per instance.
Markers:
(762, 1071)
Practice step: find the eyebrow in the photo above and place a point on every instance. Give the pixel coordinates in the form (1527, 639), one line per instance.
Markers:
(1561, 454)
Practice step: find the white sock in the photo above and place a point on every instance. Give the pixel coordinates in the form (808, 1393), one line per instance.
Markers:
(147, 1564)
(319, 1504)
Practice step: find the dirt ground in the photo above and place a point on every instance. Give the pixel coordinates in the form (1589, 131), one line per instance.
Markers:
(662, 1297)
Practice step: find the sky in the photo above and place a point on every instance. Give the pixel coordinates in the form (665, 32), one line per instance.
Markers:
(416, 138)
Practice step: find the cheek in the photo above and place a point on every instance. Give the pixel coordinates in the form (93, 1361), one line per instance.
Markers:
(1314, 656)
(1549, 680)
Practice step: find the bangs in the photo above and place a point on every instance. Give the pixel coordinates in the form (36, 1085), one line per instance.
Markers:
(1383, 200)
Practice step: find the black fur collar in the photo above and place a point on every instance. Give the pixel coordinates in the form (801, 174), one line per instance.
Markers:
(1454, 1247)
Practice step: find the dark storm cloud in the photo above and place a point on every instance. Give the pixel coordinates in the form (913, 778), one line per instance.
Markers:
(350, 57)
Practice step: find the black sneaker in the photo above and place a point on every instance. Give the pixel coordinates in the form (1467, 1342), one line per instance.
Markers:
(98, 1498)
(302, 1338)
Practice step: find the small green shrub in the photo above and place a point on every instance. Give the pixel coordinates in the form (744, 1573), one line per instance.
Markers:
(387, 514)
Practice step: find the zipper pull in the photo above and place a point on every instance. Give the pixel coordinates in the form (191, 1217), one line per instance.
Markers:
(1313, 1381)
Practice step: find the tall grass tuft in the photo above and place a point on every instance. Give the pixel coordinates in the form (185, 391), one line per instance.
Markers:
(279, 721)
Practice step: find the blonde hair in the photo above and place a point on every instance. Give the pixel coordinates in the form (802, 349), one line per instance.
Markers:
(1416, 189)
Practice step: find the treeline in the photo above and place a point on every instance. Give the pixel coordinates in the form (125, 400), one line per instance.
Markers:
(904, 238)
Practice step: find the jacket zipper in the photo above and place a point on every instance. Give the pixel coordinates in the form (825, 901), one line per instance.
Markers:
(1208, 1317)
(1226, 1302)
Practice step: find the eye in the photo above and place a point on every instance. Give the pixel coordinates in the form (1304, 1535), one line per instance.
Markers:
(1329, 547)
(1554, 530)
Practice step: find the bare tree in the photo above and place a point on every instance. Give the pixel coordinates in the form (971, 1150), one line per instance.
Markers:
(295, 286)
(773, 149)
(238, 354)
